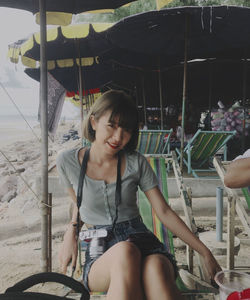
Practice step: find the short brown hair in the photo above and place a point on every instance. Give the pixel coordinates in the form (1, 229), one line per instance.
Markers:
(122, 106)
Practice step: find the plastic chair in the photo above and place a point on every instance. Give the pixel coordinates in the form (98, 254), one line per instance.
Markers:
(202, 147)
(203, 289)
(154, 141)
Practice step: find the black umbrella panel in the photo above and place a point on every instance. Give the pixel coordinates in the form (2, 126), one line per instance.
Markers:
(60, 11)
(213, 31)
(73, 6)
(94, 76)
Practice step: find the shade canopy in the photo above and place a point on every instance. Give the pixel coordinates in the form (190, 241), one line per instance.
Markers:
(208, 81)
(213, 31)
(94, 76)
(153, 40)
(60, 11)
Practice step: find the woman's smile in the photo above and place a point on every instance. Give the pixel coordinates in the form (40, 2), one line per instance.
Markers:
(110, 133)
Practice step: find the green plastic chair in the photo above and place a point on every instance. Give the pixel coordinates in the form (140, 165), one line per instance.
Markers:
(202, 147)
(154, 142)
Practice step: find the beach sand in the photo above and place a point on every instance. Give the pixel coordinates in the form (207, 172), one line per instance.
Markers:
(20, 239)
(20, 220)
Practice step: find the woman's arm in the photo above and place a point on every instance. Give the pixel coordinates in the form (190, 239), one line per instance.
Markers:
(238, 173)
(175, 224)
(69, 247)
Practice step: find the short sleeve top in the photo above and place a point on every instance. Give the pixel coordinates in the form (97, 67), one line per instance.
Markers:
(98, 202)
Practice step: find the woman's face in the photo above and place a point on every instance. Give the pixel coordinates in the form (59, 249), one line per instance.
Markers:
(109, 135)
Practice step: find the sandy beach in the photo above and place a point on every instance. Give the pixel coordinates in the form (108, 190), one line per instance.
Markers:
(20, 214)
(20, 220)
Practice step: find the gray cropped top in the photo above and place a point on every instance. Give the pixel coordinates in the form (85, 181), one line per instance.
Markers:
(98, 202)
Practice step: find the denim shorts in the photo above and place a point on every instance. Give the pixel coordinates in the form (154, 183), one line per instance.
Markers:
(122, 232)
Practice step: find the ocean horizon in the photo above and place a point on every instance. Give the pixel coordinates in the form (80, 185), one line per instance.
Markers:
(16, 121)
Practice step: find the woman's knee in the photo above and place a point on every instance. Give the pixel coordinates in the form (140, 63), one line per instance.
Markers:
(158, 264)
(126, 254)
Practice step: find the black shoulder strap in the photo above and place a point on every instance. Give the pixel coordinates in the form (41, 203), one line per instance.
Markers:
(118, 191)
(80, 185)
(82, 176)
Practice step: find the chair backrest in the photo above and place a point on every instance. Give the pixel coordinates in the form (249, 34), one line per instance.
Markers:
(148, 215)
(205, 144)
(246, 193)
(154, 141)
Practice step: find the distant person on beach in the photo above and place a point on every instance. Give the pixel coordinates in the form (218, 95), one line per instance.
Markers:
(129, 263)
(238, 172)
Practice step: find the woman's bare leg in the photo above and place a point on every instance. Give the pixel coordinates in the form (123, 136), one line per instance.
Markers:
(158, 278)
(118, 272)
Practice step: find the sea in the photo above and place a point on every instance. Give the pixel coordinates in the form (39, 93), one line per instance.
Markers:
(19, 107)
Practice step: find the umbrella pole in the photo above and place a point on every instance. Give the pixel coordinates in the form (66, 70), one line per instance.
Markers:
(210, 94)
(160, 95)
(184, 94)
(144, 100)
(243, 143)
(81, 97)
(80, 88)
(44, 137)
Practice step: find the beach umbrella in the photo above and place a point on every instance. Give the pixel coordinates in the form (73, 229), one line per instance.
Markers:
(185, 33)
(95, 76)
(65, 45)
(59, 12)
(42, 6)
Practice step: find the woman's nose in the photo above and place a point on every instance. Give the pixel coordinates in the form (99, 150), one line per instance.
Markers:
(118, 134)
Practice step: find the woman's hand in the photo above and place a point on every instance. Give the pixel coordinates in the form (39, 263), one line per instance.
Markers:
(211, 264)
(68, 250)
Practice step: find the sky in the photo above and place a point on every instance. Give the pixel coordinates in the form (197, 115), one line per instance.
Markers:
(17, 24)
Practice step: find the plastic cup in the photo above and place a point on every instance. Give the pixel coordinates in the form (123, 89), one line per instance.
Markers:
(231, 281)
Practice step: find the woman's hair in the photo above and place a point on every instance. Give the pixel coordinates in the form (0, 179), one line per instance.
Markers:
(122, 107)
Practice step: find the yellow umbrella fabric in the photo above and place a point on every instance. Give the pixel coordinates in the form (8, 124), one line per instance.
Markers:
(161, 3)
(71, 32)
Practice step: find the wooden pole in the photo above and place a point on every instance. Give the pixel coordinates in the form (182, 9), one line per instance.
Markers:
(184, 95)
(80, 87)
(244, 91)
(44, 137)
(144, 100)
(210, 66)
(50, 233)
(160, 95)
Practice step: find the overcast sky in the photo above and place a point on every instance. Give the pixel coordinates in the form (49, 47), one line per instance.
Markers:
(15, 25)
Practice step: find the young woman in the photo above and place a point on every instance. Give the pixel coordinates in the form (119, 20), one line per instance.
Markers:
(125, 270)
